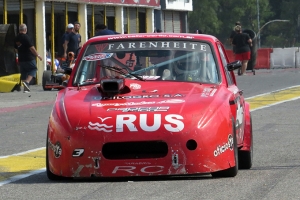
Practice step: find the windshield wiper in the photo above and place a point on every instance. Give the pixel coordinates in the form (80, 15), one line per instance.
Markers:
(122, 71)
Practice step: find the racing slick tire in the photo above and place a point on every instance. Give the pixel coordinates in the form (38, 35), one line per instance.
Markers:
(246, 157)
(46, 77)
(232, 171)
(50, 175)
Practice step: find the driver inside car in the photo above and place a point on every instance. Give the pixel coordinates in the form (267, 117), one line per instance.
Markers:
(194, 66)
(188, 67)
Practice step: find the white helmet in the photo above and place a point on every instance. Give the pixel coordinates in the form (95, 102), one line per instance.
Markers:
(187, 68)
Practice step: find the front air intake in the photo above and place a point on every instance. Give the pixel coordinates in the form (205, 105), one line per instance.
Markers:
(112, 86)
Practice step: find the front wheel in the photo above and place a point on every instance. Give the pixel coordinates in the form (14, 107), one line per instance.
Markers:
(50, 175)
(232, 171)
(246, 157)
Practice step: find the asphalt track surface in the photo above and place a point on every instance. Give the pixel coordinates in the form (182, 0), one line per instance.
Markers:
(275, 173)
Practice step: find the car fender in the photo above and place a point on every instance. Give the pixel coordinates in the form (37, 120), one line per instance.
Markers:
(247, 129)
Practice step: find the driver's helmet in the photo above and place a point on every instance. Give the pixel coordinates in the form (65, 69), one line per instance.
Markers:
(188, 67)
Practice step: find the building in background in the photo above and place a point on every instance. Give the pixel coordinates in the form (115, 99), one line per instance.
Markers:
(47, 20)
(172, 17)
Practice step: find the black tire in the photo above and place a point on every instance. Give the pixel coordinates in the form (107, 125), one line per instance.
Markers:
(232, 171)
(48, 67)
(46, 77)
(50, 175)
(252, 62)
(246, 157)
(239, 71)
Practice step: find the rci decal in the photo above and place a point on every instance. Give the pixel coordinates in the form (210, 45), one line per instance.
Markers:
(134, 123)
(133, 169)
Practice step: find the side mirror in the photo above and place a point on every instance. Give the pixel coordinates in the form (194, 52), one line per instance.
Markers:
(234, 65)
(68, 70)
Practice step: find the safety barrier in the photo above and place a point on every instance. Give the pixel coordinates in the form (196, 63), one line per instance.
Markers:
(262, 57)
(272, 58)
(285, 58)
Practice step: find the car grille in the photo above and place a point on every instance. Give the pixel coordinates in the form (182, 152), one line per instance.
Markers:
(135, 150)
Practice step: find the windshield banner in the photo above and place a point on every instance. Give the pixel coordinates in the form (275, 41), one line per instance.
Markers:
(153, 45)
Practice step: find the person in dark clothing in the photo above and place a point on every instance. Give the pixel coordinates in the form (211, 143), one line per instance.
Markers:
(158, 31)
(77, 26)
(242, 43)
(63, 38)
(198, 31)
(72, 42)
(27, 56)
(69, 30)
(101, 29)
(232, 34)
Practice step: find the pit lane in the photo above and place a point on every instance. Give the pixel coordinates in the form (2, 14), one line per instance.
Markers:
(275, 168)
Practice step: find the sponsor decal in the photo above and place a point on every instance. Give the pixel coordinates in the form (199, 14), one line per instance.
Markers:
(173, 101)
(98, 56)
(213, 92)
(139, 97)
(152, 91)
(135, 123)
(78, 152)
(133, 169)
(142, 109)
(222, 148)
(135, 86)
(100, 127)
(56, 148)
(239, 114)
(208, 92)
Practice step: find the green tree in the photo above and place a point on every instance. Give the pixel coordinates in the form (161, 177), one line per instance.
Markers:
(204, 16)
(218, 17)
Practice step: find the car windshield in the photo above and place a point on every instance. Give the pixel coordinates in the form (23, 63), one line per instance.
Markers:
(156, 60)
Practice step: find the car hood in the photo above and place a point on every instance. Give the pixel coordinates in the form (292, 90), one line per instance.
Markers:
(178, 99)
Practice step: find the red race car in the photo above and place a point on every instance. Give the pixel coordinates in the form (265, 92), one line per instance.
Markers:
(150, 105)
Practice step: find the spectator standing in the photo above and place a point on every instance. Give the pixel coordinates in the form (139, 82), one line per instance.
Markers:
(232, 34)
(101, 29)
(27, 57)
(69, 29)
(72, 40)
(242, 42)
(77, 26)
